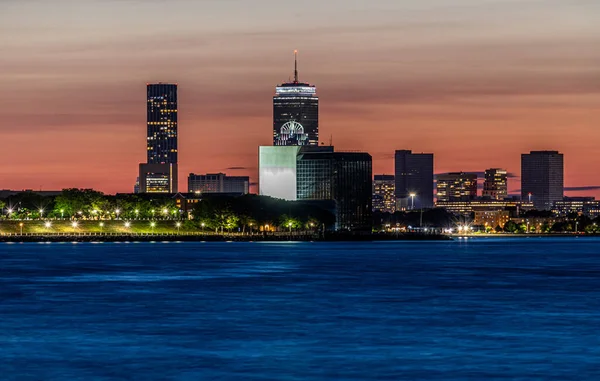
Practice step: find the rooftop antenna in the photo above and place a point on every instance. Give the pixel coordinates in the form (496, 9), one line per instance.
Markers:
(295, 66)
(331, 140)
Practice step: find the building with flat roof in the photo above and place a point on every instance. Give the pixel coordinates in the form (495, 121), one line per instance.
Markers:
(456, 186)
(465, 208)
(495, 184)
(218, 183)
(161, 140)
(413, 174)
(587, 206)
(277, 171)
(542, 178)
(384, 197)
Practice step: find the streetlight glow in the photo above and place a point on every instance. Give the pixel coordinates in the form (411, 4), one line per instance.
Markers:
(74, 224)
(127, 224)
(48, 224)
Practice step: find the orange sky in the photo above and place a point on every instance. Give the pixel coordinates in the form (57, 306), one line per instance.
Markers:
(477, 83)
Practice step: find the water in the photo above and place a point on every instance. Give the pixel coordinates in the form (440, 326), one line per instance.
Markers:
(479, 309)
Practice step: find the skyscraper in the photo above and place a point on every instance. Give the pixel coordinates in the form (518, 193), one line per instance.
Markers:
(160, 174)
(456, 186)
(495, 185)
(162, 123)
(542, 178)
(295, 113)
(413, 175)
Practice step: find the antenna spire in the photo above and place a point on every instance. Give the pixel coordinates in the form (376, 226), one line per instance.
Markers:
(295, 66)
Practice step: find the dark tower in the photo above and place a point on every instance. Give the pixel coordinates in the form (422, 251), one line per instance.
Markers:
(295, 112)
(162, 123)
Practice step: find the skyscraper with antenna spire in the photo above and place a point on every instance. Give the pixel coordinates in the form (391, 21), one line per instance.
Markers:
(295, 112)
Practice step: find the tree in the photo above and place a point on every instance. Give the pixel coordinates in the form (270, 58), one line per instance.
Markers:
(511, 227)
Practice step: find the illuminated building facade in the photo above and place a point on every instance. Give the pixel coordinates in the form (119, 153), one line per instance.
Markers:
(588, 206)
(542, 178)
(344, 177)
(456, 186)
(465, 208)
(491, 218)
(384, 198)
(413, 174)
(218, 183)
(277, 171)
(161, 140)
(158, 178)
(295, 113)
(495, 185)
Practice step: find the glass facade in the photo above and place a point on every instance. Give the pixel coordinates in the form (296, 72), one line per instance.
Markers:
(218, 183)
(542, 178)
(295, 116)
(277, 171)
(162, 123)
(344, 177)
(413, 174)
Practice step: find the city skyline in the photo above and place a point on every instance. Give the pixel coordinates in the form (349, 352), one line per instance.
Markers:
(475, 100)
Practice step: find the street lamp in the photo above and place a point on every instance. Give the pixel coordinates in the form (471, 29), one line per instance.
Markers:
(203, 225)
(101, 227)
(117, 213)
(178, 226)
(9, 212)
(137, 213)
(290, 226)
(41, 213)
(165, 212)
(152, 211)
(21, 226)
(62, 214)
(152, 225)
(412, 201)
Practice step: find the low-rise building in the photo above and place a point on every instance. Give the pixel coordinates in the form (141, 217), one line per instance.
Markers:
(491, 218)
(588, 206)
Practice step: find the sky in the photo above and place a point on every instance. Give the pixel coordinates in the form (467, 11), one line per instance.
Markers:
(476, 82)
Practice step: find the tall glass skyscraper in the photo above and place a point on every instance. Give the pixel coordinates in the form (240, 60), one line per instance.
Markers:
(542, 178)
(295, 113)
(162, 123)
(160, 174)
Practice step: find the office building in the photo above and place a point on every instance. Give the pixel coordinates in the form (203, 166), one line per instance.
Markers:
(277, 171)
(495, 184)
(542, 178)
(158, 178)
(456, 186)
(161, 139)
(587, 206)
(344, 177)
(218, 183)
(413, 175)
(465, 208)
(384, 197)
(295, 113)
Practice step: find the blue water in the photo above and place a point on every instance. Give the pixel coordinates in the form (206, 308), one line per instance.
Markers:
(478, 309)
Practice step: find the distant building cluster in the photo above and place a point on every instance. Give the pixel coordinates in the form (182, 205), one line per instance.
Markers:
(296, 167)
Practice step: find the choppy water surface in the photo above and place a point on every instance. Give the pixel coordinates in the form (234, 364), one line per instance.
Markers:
(478, 309)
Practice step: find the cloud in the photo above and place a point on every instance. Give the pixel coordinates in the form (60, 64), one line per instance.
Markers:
(237, 168)
(582, 188)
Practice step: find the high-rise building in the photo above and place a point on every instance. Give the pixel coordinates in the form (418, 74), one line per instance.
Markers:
(218, 183)
(295, 113)
(413, 175)
(456, 186)
(384, 197)
(344, 177)
(542, 178)
(495, 185)
(161, 139)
